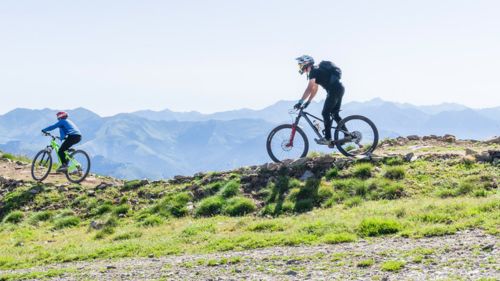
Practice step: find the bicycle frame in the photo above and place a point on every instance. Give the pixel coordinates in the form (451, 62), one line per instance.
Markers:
(73, 164)
(306, 115)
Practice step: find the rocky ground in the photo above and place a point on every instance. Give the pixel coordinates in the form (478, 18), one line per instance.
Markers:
(467, 255)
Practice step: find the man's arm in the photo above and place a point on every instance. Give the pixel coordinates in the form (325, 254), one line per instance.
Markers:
(310, 92)
(313, 91)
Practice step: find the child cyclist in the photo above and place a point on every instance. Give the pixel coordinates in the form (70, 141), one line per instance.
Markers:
(70, 135)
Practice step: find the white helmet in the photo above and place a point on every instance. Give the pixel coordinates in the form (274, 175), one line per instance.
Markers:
(304, 62)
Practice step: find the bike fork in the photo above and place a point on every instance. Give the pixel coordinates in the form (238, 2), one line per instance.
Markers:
(294, 130)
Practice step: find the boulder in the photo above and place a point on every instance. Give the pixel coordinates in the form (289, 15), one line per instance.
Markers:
(449, 138)
(495, 140)
(413, 137)
(469, 151)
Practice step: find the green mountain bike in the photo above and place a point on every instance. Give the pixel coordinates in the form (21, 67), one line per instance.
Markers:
(78, 163)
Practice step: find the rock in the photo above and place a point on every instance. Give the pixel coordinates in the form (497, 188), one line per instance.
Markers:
(483, 157)
(410, 157)
(495, 140)
(91, 192)
(62, 188)
(103, 185)
(488, 247)
(449, 138)
(299, 162)
(307, 175)
(469, 151)
(110, 267)
(96, 225)
(291, 273)
(413, 137)
(151, 256)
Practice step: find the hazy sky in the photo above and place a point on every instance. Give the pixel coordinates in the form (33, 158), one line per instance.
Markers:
(120, 56)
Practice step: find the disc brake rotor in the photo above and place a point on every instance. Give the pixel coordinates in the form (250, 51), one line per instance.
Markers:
(285, 145)
(356, 137)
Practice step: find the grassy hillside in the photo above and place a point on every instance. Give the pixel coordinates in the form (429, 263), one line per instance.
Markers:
(342, 200)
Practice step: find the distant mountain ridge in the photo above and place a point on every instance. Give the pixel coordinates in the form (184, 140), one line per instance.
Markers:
(160, 144)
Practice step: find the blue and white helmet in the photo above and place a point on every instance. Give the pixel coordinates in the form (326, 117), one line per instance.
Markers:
(304, 62)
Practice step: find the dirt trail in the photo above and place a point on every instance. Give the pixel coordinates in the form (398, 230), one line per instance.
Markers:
(467, 255)
(22, 172)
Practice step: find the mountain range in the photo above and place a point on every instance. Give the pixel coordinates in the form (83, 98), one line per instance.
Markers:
(161, 144)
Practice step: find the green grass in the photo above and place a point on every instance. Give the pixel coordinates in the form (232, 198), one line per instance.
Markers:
(67, 221)
(431, 199)
(220, 233)
(363, 170)
(378, 226)
(14, 217)
(366, 263)
(393, 266)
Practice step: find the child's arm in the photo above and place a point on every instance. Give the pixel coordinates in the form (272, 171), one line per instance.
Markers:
(50, 128)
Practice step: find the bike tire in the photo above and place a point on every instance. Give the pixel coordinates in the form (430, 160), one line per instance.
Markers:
(272, 134)
(40, 156)
(374, 143)
(85, 173)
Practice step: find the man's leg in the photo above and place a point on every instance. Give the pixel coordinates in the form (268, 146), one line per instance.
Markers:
(339, 93)
(327, 114)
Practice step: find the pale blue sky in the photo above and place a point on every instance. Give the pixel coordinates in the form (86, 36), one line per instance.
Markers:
(120, 56)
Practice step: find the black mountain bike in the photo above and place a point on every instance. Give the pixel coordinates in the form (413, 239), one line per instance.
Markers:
(354, 135)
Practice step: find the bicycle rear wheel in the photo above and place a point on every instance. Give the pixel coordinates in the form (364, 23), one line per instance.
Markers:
(78, 166)
(286, 143)
(41, 165)
(361, 137)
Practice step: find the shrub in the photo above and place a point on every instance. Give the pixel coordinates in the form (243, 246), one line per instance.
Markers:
(133, 184)
(210, 206)
(392, 265)
(121, 210)
(213, 187)
(465, 187)
(267, 226)
(230, 189)
(332, 173)
(239, 206)
(175, 205)
(292, 195)
(14, 217)
(8, 156)
(395, 173)
(390, 191)
(152, 220)
(353, 202)
(336, 238)
(41, 216)
(304, 205)
(378, 226)
(127, 235)
(309, 190)
(393, 161)
(363, 170)
(67, 221)
(105, 208)
(324, 193)
(366, 263)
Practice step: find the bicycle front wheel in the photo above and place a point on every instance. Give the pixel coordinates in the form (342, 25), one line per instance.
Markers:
(356, 135)
(41, 165)
(285, 142)
(78, 166)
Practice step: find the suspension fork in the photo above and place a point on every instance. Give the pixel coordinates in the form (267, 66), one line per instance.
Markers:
(294, 130)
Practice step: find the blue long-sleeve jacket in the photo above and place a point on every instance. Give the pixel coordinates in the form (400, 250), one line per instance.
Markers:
(66, 128)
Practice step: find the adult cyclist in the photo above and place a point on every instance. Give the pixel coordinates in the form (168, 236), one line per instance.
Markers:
(69, 132)
(327, 75)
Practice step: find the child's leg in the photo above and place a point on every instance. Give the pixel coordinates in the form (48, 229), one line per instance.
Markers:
(67, 144)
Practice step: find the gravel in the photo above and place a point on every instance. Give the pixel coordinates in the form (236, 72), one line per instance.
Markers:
(467, 255)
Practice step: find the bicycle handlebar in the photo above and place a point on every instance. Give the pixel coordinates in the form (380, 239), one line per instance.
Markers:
(47, 134)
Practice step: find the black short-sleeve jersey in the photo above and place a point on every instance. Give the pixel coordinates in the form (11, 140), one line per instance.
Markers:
(322, 77)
